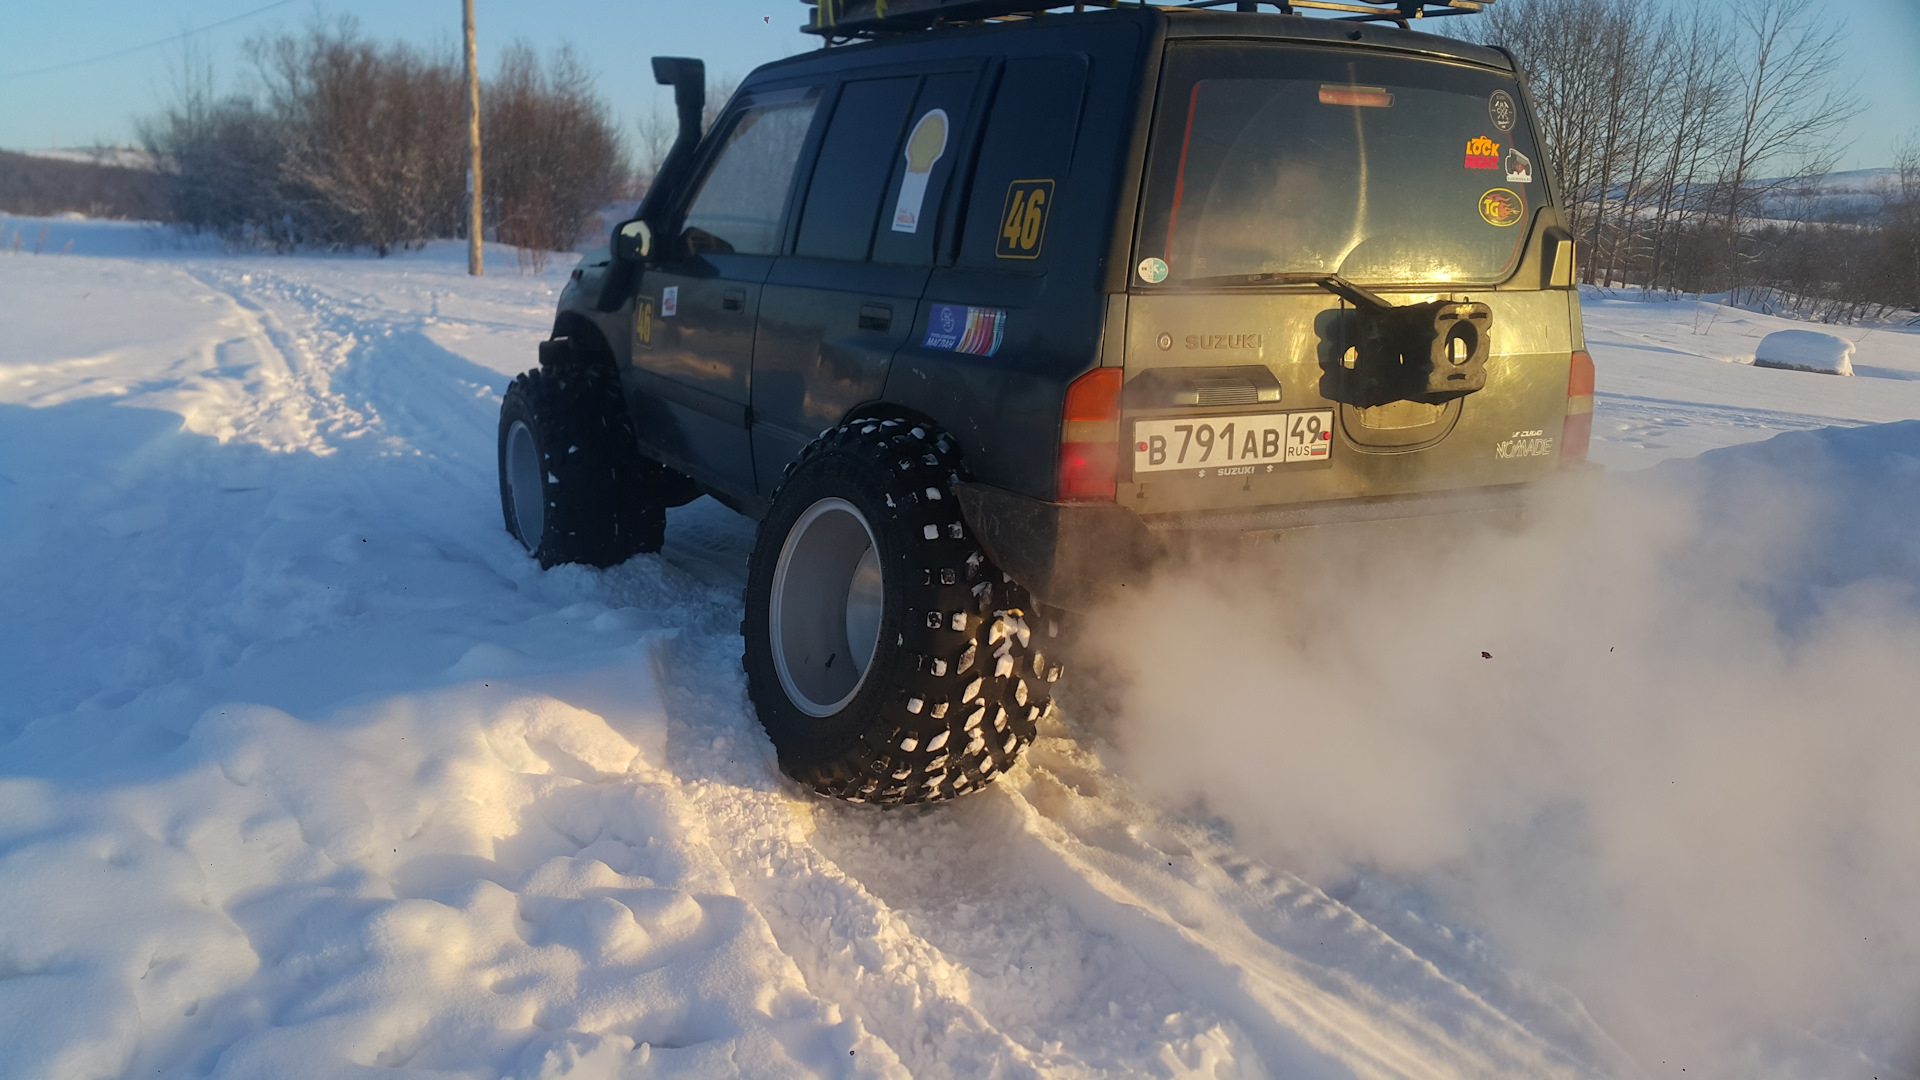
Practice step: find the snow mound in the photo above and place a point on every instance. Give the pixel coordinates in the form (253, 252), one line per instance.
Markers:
(1805, 350)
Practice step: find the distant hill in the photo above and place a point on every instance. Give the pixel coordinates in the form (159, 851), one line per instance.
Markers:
(1856, 197)
(105, 184)
(124, 157)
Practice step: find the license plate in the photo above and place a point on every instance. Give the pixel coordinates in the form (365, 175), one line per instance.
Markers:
(1224, 441)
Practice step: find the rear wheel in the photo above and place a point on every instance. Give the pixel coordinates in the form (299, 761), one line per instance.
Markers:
(888, 659)
(573, 486)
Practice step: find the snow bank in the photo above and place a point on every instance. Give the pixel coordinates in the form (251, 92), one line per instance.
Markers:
(1805, 350)
(477, 879)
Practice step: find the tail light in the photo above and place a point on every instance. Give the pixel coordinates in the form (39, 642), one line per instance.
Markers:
(1577, 432)
(1090, 436)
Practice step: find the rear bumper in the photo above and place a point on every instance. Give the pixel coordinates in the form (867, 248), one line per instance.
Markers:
(1075, 555)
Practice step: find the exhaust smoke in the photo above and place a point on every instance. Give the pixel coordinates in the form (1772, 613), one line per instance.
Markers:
(1661, 744)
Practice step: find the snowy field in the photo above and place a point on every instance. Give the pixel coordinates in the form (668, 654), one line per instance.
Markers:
(307, 771)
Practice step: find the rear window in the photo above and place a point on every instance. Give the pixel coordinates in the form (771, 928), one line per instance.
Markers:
(1275, 160)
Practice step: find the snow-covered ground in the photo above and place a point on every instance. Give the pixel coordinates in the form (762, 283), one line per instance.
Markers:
(307, 771)
(1675, 378)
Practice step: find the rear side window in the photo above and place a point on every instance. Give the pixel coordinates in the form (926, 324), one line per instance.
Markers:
(843, 202)
(921, 166)
(1022, 171)
(742, 200)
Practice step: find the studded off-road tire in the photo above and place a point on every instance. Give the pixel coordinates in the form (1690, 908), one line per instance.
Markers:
(864, 554)
(573, 486)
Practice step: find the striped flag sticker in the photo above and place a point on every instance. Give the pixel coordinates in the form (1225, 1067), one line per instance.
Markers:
(957, 328)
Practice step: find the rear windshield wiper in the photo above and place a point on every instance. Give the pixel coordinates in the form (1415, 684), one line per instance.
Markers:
(1357, 295)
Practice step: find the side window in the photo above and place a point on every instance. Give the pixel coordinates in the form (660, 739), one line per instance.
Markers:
(920, 170)
(741, 200)
(1022, 172)
(843, 202)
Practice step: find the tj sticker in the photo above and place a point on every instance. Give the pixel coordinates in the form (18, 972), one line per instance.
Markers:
(670, 301)
(956, 328)
(1519, 168)
(924, 147)
(1502, 207)
(1483, 153)
(1501, 110)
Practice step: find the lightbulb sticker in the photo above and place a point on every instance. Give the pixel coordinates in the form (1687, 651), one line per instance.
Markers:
(926, 145)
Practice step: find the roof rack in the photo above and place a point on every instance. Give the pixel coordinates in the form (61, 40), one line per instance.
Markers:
(845, 19)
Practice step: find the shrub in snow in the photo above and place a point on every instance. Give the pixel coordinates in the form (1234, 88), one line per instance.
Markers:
(1805, 350)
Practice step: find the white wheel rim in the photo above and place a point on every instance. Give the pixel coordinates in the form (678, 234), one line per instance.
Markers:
(523, 485)
(824, 614)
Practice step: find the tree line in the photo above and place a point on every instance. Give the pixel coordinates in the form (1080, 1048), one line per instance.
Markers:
(1668, 127)
(43, 186)
(1688, 142)
(341, 141)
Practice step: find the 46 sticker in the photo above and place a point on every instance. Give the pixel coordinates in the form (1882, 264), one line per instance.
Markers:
(1023, 224)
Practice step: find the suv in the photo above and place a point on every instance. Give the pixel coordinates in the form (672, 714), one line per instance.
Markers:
(980, 313)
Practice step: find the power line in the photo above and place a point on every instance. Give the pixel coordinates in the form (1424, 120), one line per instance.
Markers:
(149, 45)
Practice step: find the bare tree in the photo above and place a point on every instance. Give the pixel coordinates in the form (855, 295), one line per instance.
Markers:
(659, 127)
(1790, 113)
(371, 133)
(1698, 87)
(1902, 234)
(220, 157)
(553, 153)
(1659, 125)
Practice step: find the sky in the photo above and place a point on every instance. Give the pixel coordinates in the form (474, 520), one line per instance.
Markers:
(105, 79)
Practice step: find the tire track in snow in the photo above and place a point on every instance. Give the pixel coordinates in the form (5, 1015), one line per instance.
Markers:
(1319, 990)
(922, 920)
(848, 945)
(291, 406)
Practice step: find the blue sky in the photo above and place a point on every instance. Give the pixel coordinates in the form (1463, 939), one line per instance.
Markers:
(96, 102)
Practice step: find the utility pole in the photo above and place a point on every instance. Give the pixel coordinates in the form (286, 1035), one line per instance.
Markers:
(473, 149)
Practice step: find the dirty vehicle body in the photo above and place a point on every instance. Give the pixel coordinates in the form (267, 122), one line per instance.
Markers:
(978, 320)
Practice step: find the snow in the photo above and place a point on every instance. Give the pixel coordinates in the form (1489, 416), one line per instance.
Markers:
(1675, 378)
(307, 770)
(1805, 350)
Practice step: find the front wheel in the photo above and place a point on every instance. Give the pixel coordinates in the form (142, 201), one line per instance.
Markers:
(888, 659)
(573, 486)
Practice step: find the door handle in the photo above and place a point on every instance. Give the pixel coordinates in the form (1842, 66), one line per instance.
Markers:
(876, 317)
(734, 300)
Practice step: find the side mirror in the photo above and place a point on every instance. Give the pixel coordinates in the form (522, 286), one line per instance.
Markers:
(633, 242)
